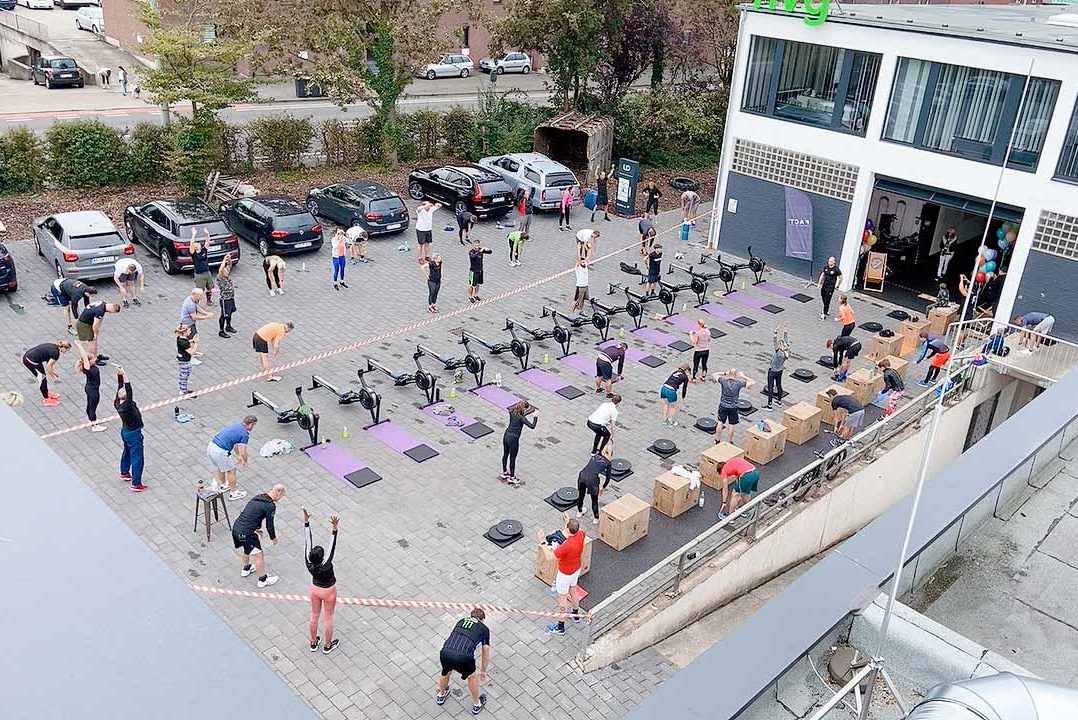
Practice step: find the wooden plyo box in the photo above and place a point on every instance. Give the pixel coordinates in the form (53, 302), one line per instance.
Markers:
(940, 318)
(802, 422)
(763, 446)
(880, 347)
(624, 521)
(823, 401)
(865, 384)
(712, 460)
(911, 334)
(546, 565)
(898, 365)
(673, 495)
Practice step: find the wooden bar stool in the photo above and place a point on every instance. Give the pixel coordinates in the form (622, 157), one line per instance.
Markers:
(204, 500)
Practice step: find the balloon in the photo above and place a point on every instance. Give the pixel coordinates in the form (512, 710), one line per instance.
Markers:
(990, 267)
(1010, 237)
(865, 236)
(871, 240)
(869, 225)
(1001, 233)
(1003, 245)
(980, 277)
(989, 254)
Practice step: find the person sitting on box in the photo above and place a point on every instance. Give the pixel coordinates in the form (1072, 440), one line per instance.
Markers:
(740, 479)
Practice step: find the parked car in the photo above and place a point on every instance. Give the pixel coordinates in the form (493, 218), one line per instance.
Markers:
(462, 187)
(8, 4)
(164, 228)
(57, 71)
(447, 66)
(545, 178)
(90, 17)
(8, 279)
(514, 62)
(36, 4)
(276, 224)
(70, 4)
(375, 207)
(83, 245)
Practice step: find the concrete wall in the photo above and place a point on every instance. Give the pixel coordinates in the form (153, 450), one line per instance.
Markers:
(808, 530)
(1050, 284)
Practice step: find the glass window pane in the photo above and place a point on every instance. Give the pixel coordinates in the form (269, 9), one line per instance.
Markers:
(965, 111)
(1034, 116)
(758, 78)
(911, 80)
(863, 74)
(808, 83)
(1068, 157)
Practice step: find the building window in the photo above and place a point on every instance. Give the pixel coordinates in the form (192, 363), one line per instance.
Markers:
(1068, 158)
(811, 84)
(970, 112)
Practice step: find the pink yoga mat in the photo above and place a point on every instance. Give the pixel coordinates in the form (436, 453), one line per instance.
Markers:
(631, 354)
(721, 312)
(335, 459)
(497, 396)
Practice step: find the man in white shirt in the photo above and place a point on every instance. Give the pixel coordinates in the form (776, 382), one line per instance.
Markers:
(357, 242)
(601, 422)
(424, 224)
(581, 295)
(585, 243)
(126, 273)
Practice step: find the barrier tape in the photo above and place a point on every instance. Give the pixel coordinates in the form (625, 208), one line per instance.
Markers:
(393, 604)
(401, 330)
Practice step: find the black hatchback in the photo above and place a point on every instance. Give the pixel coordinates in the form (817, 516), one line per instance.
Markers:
(374, 207)
(276, 224)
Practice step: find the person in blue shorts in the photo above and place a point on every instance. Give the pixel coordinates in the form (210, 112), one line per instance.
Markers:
(668, 392)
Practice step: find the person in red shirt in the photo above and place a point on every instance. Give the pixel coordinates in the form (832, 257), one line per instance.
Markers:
(739, 477)
(568, 554)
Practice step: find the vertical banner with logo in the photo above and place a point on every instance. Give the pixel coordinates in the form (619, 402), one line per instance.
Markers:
(626, 175)
(798, 224)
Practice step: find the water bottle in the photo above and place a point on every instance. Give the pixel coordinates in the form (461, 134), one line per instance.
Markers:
(498, 379)
(760, 426)
(700, 502)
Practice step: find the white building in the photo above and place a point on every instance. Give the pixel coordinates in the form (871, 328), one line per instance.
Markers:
(903, 114)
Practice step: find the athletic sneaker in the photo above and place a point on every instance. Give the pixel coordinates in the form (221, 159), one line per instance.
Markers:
(223, 334)
(237, 495)
(364, 259)
(673, 423)
(823, 316)
(344, 284)
(247, 570)
(98, 428)
(314, 645)
(126, 304)
(272, 293)
(326, 650)
(139, 488)
(267, 580)
(439, 697)
(196, 361)
(194, 354)
(553, 629)
(476, 709)
(722, 514)
(138, 302)
(273, 378)
(50, 402)
(125, 476)
(595, 521)
(280, 291)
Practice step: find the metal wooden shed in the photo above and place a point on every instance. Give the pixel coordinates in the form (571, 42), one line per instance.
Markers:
(582, 141)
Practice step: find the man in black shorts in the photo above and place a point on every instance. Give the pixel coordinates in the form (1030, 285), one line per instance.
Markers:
(604, 366)
(68, 294)
(475, 270)
(247, 532)
(655, 261)
(843, 349)
(458, 654)
(88, 326)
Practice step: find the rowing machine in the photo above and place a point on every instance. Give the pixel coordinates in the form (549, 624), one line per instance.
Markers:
(519, 349)
(426, 381)
(727, 272)
(634, 305)
(344, 397)
(370, 399)
(633, 270)
(420, 378)
(697, 283)
(303, 415)
(560, 333)
(470, 362)
(601, 314)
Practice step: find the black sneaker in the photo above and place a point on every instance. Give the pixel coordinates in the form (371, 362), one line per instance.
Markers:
(223, 334)
(103, 357)
(326, 650)
(314, 645)
(476, 709)
(138, 302)
(127, 304)
(344, 284)
(230, 329)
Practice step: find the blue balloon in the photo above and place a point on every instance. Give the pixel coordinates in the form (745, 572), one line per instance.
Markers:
(989, 254)
(869, 225)
(1003, 245)
(990, 266)
(1001, 233)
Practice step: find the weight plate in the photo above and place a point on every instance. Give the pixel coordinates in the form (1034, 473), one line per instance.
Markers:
(665, 446)
(620, 466)
(827, 361)
(872, 326)
(744, 406)
(633, 309)
(804, 374)
(707, 424)
(510, 528)
(496, 534)
(568, 494)
(599, 321)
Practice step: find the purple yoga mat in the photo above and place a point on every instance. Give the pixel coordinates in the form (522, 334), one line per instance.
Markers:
(497, 396)
(747, 300)
(720, 312)
(395, 436)
(335, 459)
(545, 380)
(582, 363)
(465, 420)
(654, 336)
(777, 289)
(631, 354)
(684, 322)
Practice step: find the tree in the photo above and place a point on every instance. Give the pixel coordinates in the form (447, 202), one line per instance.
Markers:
(196, 62)
(634, 30)
(703, 34)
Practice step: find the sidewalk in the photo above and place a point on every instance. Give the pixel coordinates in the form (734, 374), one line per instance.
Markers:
(23, 98)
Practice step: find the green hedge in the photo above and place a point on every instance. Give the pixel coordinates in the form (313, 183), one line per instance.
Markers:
(670, 127)
(86, 153)
(22, 162)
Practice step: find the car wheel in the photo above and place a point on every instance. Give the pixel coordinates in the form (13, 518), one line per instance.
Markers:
(465, 72)
(460, 206)
(312, 207)
(430, 74)
(263, 247)
(128, 231)
(81, 85)
(525, 70)
(78, 24)
(500, 70)
(166, 262)
(415, 190)
(59, 270)
(48, 82)
(93, 29)
(37, 245)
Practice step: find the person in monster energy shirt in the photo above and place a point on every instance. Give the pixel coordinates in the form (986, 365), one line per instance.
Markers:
(458, 654)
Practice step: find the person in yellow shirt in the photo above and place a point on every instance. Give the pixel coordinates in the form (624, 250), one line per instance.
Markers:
(270, 336)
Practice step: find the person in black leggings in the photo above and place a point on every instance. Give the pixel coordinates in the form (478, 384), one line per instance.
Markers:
(511, 439)
(87, 365)
(40, 360)
(587, 482)
(432, 267)
(778, 362)
(601, 422)
(828, 281)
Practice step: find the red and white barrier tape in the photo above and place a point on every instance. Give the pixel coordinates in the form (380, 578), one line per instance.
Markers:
(389, 603)
(349, 347)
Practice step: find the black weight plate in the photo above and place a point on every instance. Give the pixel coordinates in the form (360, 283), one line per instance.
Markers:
(568, 495)
(497, 535)
(871, 326)
(664, 445)
(707, 424)
(804, 374)
(620, 466)
(509, 528)
(744, 406)
(826, 361)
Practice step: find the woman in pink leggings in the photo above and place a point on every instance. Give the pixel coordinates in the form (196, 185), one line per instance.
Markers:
(323, 583)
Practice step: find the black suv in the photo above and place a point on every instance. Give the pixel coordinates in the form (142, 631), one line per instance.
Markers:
(463, 187)
(56, 71)
(376, 208)
(164, 228)
(276, 224)
(8, 279)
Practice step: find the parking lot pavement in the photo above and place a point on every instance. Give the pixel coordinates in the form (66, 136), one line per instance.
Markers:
(418, 532)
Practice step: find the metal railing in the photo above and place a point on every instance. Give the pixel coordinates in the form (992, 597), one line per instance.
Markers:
(1050, 359)
(748, 521)
(25, 25)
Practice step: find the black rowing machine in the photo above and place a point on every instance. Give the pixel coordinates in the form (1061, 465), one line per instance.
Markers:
(634, 305)
(574, 321)
(561, 334)
(470, 362)
(370, 399)
(601, 314)
(727, 272)
(426, 381)
(697, 283)
(303, 414)
(633, 270)
(520, 349)
(344, 397)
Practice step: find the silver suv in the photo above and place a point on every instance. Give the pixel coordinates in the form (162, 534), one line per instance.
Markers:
(84, 245)
(545, 178)
(512, 62)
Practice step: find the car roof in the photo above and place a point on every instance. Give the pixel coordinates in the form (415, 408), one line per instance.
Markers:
(189, 208)
(85, 222)
(368, 187)
(57, 57)
(475, 172)
(281, 204)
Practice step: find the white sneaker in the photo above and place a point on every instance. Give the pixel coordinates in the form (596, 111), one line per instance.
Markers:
(272, 292)
(273, 378)
(237, 495)
(196, 361)
(823, 316)
(280, 291)
(98, 428)
(270, 580)
(595, 521)
(247, 571)
(197, 354)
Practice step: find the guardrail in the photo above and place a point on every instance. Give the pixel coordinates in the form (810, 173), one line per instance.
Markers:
(25, 25)
(1039, 356)
(747, 522)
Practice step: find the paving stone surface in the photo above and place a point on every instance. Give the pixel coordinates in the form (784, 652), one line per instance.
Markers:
(418, 532)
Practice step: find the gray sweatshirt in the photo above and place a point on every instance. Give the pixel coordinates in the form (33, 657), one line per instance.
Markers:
(779, 359)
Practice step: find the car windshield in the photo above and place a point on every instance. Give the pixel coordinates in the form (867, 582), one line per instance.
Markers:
(63, 64)
(489, 187)
(215, 227)
(560, 179)
(390, 204)
(93, 242)
(300, 221)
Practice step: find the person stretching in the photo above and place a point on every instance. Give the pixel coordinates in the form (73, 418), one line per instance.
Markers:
(87, 365)
(357, 242)
(647, 233)
(587, 481)
(690, 205)
(843, 349)
(323, 592)
(511, 439)
(655, 263)
(88, 326)
(738, 477)
(845, 315)
(247, 533)
(567, 199)
(339, 242)
(132, 460)
(458, 655)
(40, 360)
(266, 337)
(892, 385)
(778, 362)
(227, 451)
(569, 555)
(186, 347)
(668, 393)
(602, 197)
(228, 298)
(848, 413)
(526, 209)
(829, 279)
(602, 423)
(580, 291)
(1035, 326)
(730, 385)
(424, 226)
(274, 266)
(604, 366)
(68, 294)
(191, 313)
(700, 338)
(475, 269)
(938, 353)
(465, 222)
(200, 262)
(585, 243)
(516, 240)
(125, 274)
(432, 267)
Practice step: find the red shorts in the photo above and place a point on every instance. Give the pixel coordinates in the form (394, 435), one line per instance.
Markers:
(938, 361)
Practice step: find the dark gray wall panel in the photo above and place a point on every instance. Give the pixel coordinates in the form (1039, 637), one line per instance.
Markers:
(1050, 284)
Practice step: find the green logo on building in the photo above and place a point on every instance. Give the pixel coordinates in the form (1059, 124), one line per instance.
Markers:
(815, 10)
